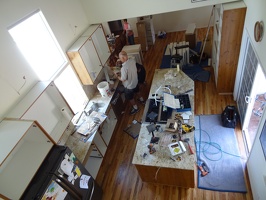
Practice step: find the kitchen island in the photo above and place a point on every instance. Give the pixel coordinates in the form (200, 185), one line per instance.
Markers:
(160, 167)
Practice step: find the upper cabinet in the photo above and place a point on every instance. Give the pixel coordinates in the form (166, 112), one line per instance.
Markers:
(89, 54)
(24, 145)
(229, 21)
(45, 104)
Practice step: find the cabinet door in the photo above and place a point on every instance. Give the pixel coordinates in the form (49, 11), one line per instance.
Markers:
(90, 58)
(100, 144)
(24, 145)
(109, 126)
(45, 104)
(101, 45)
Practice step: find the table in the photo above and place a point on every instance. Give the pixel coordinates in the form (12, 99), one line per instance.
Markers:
(134, 50)
(159, 167)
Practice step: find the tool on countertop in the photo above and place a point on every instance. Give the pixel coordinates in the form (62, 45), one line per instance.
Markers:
(190, 149)
(187, 128)
(205, 167)
(186, 91)
(178, 158)
(179, 129)
(151, 148)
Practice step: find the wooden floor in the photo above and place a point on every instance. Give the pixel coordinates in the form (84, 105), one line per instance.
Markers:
(119, 179)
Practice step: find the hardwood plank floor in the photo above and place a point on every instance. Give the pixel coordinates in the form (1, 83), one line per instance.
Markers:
(119, 179)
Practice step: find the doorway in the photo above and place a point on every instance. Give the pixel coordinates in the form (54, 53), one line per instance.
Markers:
(255, 105)
(116, 27)
(251, 94)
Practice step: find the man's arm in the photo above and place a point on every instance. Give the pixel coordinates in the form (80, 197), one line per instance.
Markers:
(118, 75)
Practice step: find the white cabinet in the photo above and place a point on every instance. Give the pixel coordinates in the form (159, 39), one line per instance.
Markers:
(89, 54)
(100, 143)
(109, 126)
(24, 145)
(96, 154)
(45, 104)
(135, 51)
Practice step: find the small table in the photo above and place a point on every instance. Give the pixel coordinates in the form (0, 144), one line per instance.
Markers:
(134, 50)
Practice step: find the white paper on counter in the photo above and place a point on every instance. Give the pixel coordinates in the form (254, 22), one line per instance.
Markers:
(171, 101)
(93, 121)
(84, 180)
(185, 115)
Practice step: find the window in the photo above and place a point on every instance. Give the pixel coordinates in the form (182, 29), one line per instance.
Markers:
(71, 89)
(37, 43)
(39, 46)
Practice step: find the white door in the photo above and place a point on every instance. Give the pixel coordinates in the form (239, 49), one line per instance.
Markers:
(252, 85)
(101, 45)
(255, 105)
(90, 59)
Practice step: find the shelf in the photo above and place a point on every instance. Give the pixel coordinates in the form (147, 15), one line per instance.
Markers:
(228, 25)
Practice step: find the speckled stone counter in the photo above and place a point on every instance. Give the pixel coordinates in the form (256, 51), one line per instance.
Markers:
(159, 167)
(75, 141)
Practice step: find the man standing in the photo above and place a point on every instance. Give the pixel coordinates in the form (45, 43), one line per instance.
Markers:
(129, 78)
(129, 32)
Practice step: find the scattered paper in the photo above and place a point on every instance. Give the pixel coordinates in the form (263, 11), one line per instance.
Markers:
(84, 181)
(92, 123)
(171, 101)
(185, 116)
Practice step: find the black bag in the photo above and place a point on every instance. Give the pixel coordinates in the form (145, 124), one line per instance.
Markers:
(229, 117)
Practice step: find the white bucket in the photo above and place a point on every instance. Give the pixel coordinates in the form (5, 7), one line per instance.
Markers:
(103, 88)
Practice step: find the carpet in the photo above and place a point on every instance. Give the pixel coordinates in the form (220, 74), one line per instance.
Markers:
(217, 147)
(133, 129)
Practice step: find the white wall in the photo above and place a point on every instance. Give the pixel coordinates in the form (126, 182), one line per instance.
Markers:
(98, 11)
(256, 12)
(178, 21)
(175, 21)
(62, 17)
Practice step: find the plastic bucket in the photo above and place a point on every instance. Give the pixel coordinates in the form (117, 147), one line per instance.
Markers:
(103, 88)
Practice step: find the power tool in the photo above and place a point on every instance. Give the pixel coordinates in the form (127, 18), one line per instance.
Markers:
(186, 128)
(204, 169)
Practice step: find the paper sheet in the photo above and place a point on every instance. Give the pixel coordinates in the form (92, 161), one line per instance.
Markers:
(171, 101)
(84, 180)
(93, 121)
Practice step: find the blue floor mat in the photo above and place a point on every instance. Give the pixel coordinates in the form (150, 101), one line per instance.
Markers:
(217, 146)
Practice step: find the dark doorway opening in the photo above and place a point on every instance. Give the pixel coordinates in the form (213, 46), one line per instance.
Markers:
(116, 27)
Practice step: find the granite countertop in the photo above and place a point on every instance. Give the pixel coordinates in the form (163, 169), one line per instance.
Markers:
(76, 141)
(179, 83)
(162, 157)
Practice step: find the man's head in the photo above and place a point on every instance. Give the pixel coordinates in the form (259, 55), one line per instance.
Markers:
(123, 56)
